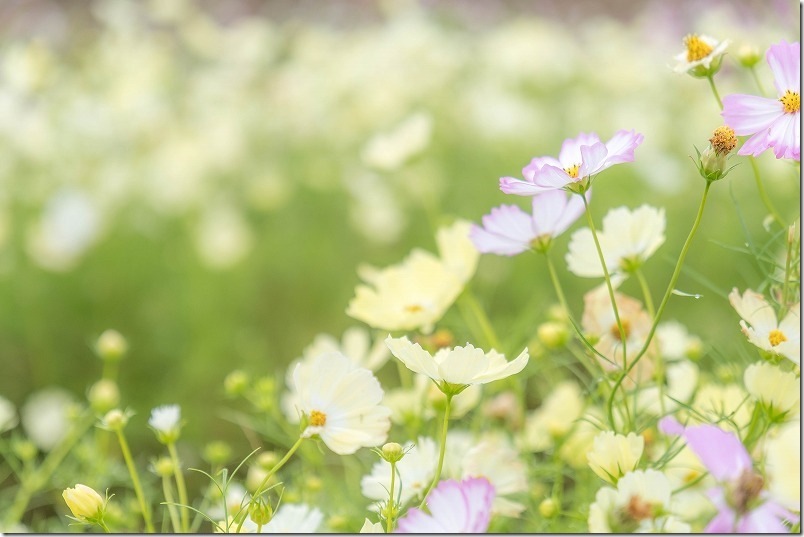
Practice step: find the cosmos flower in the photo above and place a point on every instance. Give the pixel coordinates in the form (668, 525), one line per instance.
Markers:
(742, 503)
(614, 455)
(455, 507)
(761, 327)
(628, 238)
(459, 366)
(415, 472)
(341, 403)
(580, 159)
(702, 55)
(295, 518)
(165, 420)
(777, 390)
(772, 123)
(508, 230)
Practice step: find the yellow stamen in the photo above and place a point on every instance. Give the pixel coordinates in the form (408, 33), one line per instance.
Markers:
(615, 330)
(776, 337)
(723, 140)
(317, 418)
(414, 308)
(572, 171)
(791, 101)
(696, 49)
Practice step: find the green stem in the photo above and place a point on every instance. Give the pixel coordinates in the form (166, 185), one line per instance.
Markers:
(278, 466)
(714, 91)
(660, 311)
(389, 523)
(643, 284)
(756, 79)
(174, 517)
(483, 320)
(764, 195)
(606, 275)
(180, 486)
(135, 480)
(34, 482)
(103, 526)
(443, 450)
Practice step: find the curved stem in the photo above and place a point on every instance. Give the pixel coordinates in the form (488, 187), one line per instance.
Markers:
(279, 465)
(135, 480)
(174, 456)
(714, 91)
(643, 284)
(443, 450)
(764, 195)
(174, 517)
(103, 526)
(662, 305)
(608, 280)
(389, 522)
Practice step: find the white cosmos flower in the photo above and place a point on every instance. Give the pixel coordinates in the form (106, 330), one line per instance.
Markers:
(44, 417)
(627, 239)
(778, 390)
(699, 50)
(295, 518)
(165, 418)
(494, 458)
(760, 326)
(342, 403)
(415, 472)
(783, 465)
(555, 417)
(675, 341)
(8, 415)
(459, 366)
(682, 378)
(614, 455)
(714, 402)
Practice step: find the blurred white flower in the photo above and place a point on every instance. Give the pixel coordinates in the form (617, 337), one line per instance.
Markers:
(371, 527)
(44, 417)
(389, 150)
(223, 238)
(69, 225)
(614, 455)
(760, 326)
(415, 472)
(458, 252)
(714, 402)
(675, 341)
(295, 518)
(341, 403)
(8, 415)
(627, 239)
(494, 458)
(682, 379)
(783, 465)
(778, 390)
(166, 422)
(555, 417)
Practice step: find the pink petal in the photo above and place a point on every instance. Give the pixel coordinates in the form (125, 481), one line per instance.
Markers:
(756, 145)
(551, 178)
(509, 185)
(785, 136)
(570, 154)
(594, 159)
(722, 523)
(506, 231)
(479, 494)
(767, 518)
(529, 171)
(621, 147)
(785, 62)
(417, 521)
(748, 114)
(721, 452)
(554, 212)
(572, 211)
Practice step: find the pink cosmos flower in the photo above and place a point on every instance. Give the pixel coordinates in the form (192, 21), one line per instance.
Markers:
(579, 159)
(509, 230)
(463, 507)
(774, 123)
(742, 505)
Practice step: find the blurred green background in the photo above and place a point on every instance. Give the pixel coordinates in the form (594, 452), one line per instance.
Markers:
(206, 177)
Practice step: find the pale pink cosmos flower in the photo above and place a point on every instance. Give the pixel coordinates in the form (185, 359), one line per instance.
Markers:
(579, 159)
(774, 123)
(509, 230)
(743, 506)
(463, 507)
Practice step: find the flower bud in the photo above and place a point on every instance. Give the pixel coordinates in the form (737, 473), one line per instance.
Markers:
(748, 55)
(217, 453)
(548, 508)
(104, 395)
(85, 504)
(313, 484)
(235, 383)
(553, 334)
(392, 452)
(166, 422)
(712, 162)
(267, 460)
(115, 420)
(111, 346)
(260, 512)
(25, 450)
(614, 455)
(164, 467)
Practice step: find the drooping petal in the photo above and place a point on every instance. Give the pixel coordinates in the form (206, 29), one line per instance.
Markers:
(555, 211)
(721, 452)
(413, 356)
(754, 309)
(499, 369)
(748, 114)
(767, 518)
(785, 62)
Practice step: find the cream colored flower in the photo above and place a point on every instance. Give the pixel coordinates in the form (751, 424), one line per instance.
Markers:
(85, 504)
(783, 465)
(675, 341)
(415, 472)
(460, 366)
(639, 504)
(580, 439)
(614, 455)
(700, 51)
(714, 402)
(778, 390)
(627, 239)
(341, 403)
(457, 250)
(295, 518)
(682, 378)
(389, 150)
(371, 527)
(760, 326)
(495, 459)
(554, 418)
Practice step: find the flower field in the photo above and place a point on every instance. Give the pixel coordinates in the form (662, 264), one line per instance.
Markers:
(400, 266)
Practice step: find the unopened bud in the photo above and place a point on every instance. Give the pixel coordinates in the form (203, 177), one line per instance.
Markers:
(548, 508)
(111, 346)
(235, 383)
(313, 484)
(267, 460)
(85, 504)
(115, 419)
(217, 453)
(553, 334)
(260, 513)
(392, 452)
(104, 395)
(712, 162)
(25, 450)
(164, 467)
(748, 55)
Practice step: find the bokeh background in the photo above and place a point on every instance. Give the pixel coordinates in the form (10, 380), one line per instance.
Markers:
(206, 177)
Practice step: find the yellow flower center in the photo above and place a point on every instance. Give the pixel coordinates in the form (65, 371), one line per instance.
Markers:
(723, 140)
(776, 337)
(791, 101)
(572, 171)
(413, 308)
(318, 418)
(615, 330)
(696, 49)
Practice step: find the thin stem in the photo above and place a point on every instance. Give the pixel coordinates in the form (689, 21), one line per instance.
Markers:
(764, 195)
(34, 482)
(135, 480)
(756, 79)
(443, 450)
(103, 526)
(662, 305)
(483, 320)
(608, 279)
(279, 465)
(174, 456)
(714, 90)
(174, 517)
(643, 284)
(389, 522)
